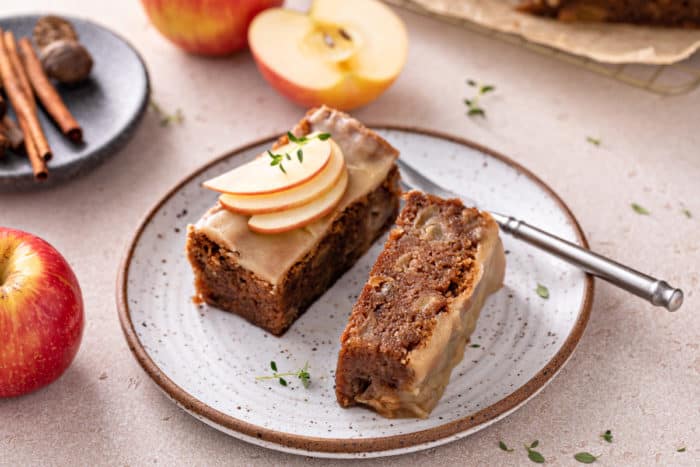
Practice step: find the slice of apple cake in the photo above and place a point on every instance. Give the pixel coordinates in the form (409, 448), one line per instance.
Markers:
(414, 316)
(256, 255)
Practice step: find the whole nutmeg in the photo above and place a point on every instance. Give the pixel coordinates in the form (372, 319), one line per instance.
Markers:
(51, 28)
(66, 61)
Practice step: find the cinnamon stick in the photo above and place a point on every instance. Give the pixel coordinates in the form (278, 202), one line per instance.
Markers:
(11, 131)
(47, 93)
(4, 144)
(38, 162)
(24, 107)
(13, 55)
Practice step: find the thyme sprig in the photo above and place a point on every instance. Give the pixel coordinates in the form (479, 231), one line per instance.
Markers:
(303, 375)
(534, 456)
(473, 107)
(278, 159)
(165, 118)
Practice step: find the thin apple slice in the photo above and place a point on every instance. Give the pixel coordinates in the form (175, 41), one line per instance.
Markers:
(288, 199)
(259, 177)
(278, 222)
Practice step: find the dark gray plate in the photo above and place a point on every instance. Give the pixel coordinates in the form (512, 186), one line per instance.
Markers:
(108, 105)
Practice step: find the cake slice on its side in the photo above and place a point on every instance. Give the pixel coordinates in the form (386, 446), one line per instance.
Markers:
(654, 12)
(414, 316)
(271, 279)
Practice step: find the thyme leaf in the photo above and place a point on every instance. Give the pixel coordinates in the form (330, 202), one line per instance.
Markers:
(543, 292)
(503, 447)
(639, 209)
(535, 456)
(585, 457)
(607, 436)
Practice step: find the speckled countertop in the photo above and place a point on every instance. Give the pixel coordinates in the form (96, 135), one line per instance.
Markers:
(636, 370)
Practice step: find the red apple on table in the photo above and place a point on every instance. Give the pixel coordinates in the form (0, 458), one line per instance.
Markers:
(341, 53)
(207, 27)
(41, 313)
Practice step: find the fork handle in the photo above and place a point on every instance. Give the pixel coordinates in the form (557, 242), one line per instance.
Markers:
(655, 291)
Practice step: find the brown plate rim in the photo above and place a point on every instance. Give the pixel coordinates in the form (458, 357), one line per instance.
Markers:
(358, 445)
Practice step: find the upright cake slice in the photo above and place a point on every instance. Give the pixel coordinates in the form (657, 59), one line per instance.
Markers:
(684, 13)
(272, 278)
(409, 326)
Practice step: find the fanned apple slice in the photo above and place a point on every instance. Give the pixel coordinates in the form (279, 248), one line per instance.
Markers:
(288, 199)
(278, 222)
(259, 177)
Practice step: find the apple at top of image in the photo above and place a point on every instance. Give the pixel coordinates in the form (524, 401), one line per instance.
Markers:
(206, 27)
(341, 53)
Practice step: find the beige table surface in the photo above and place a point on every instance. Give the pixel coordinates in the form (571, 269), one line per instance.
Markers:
(636, 370)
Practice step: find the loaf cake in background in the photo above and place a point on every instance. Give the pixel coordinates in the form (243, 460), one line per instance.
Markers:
(673, 13)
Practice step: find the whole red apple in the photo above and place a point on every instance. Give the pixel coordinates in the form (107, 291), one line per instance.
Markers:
(41, 313)
(207, 27)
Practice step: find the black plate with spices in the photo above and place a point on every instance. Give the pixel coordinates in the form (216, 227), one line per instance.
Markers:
(108, 105)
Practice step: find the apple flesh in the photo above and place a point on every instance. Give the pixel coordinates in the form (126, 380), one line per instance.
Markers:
(293, 197)
(259, 176)
(343, 54)
(41, 313)
(283, 221)
(207, 27)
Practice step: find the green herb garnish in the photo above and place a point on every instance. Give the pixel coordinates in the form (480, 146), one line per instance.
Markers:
(687, 213)
(503, 447)
(166, 118)
(542, 291)
(475, 346)
(303, 375)
(585, 457)
(278, 159)
(473, 107)
(680, 449)
(640, 209)
(593, 141)
(607, 436)
(533, 455)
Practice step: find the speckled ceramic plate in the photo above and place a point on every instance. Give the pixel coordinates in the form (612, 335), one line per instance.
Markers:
(207, 360)
(108, 105)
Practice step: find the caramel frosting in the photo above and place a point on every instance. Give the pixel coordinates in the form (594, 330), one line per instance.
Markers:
(368, 158)
(432, 364)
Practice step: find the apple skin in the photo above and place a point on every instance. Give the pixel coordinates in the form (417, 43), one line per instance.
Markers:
(41, 313)
(206, 27)
(352, 92)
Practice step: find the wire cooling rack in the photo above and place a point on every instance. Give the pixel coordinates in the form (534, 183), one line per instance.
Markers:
(678, 78)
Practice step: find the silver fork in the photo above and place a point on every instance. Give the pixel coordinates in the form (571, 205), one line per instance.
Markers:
(655, 291)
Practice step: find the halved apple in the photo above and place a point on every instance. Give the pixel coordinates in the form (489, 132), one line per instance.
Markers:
(259, 176)
(341, 53)
(293, 197)
(283, 221)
